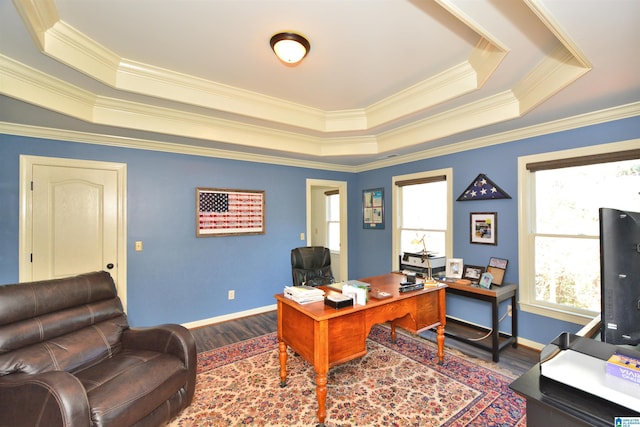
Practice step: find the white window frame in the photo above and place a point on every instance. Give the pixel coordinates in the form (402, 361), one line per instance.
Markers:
(526, 222)
(329, 221)
(397, 211)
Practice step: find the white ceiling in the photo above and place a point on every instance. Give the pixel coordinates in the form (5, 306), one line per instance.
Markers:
(383, 77)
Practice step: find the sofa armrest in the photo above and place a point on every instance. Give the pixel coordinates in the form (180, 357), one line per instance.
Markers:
(169, 338)
(64, 400)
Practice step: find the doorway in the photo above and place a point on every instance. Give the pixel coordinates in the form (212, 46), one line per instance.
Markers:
(316, 233)
(72, 219)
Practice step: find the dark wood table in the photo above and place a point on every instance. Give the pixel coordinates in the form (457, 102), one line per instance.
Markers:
(494, 296)
(326, 337)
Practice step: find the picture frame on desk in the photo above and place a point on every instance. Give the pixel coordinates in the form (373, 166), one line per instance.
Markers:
(473, 273)
(453, 268)
(497, 267)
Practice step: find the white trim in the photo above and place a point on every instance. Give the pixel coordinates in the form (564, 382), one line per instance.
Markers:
(344, 219)
(582, 120)
(231, 316)
(395, 207)
(525, 225)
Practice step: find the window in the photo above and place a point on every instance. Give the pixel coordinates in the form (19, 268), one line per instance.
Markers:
(422, 204)
(559, 225)
(333, 220)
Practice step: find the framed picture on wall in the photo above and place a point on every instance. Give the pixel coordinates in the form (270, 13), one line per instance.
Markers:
(223, 212)
(484, 228)
(373, 209)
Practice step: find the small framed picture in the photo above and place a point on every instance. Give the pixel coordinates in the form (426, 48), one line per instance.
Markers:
(472, 273)
(485, 280)
(484, 228)
(453, 268)
(497, 267)
(373, 209)
(498, 262)
(497, 274)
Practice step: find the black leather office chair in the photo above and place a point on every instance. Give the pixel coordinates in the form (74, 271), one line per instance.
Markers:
(311, 266)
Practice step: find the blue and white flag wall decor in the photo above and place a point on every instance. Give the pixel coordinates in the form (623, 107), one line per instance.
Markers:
(482, 188)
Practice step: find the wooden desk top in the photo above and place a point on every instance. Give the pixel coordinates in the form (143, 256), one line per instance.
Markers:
(387, 282)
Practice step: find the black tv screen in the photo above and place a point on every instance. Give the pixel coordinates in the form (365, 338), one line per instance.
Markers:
(620, 276)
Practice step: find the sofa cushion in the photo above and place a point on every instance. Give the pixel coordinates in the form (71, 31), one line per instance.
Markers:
(125, 388)
(69, 352)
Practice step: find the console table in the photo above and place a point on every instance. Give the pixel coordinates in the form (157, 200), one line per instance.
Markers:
(494, 295)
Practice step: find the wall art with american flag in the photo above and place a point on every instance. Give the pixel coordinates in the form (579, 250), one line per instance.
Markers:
(221, 212)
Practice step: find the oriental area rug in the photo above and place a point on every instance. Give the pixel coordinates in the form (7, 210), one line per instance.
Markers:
(394, 384)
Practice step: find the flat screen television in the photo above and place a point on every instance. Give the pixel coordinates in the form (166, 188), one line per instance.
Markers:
(620, 276)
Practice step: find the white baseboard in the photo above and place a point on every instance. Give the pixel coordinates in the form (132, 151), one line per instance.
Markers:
(231, 316)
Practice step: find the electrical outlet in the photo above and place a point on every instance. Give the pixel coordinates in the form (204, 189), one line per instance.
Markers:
(509, 310)
(231, 294)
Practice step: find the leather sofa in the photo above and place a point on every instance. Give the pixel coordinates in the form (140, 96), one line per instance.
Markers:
(69, 358)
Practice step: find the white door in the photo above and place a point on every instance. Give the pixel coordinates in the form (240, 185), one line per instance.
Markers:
(74, 219)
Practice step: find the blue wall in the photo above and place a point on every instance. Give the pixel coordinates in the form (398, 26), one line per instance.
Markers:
(181, 278)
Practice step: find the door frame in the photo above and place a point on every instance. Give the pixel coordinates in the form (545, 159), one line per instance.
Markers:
(25, 226)
(344, 230)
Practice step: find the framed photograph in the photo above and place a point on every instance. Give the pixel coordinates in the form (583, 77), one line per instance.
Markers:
(224, 212)
(453, 268)
(497, 274)
(485, 280)
(472, 273)
(484, 228)
(497, 268)
(373, 209)
(498, 262)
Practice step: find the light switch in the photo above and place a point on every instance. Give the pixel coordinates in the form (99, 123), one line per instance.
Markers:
(301, 236)
(138, 245)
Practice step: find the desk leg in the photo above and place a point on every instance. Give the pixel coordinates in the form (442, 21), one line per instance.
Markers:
(321, 393)
(514, 321)
(495, 333)
(283, 364)
(442, 308)
(440, 341)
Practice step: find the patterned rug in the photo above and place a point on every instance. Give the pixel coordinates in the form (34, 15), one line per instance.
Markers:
(394, 384)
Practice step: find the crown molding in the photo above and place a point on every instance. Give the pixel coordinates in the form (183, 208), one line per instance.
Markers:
(316, 128)
(70, 46)
(583, 120)
(159, 146)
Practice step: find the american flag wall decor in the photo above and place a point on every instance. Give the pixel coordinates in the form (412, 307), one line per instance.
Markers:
(222, 212)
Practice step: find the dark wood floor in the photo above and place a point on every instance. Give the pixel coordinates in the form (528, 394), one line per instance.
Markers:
(516, 360)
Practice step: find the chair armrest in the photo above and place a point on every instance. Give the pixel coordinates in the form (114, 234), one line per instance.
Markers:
(170, 338)
(55, 398)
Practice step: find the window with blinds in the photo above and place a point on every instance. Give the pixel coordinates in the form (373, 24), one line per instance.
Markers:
(560, 244)
(422, 203)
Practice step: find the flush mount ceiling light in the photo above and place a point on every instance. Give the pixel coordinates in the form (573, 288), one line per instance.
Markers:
(290, 47)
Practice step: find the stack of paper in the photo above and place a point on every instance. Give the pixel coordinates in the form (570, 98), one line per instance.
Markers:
(303, 294)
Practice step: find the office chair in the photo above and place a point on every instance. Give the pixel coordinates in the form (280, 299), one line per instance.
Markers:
(311, 266)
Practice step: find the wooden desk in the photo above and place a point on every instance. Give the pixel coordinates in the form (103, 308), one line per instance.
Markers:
(327, 337)
(495, 295)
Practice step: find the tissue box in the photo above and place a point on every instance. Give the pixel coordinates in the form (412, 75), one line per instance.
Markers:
(625, 367)
(338, 301)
